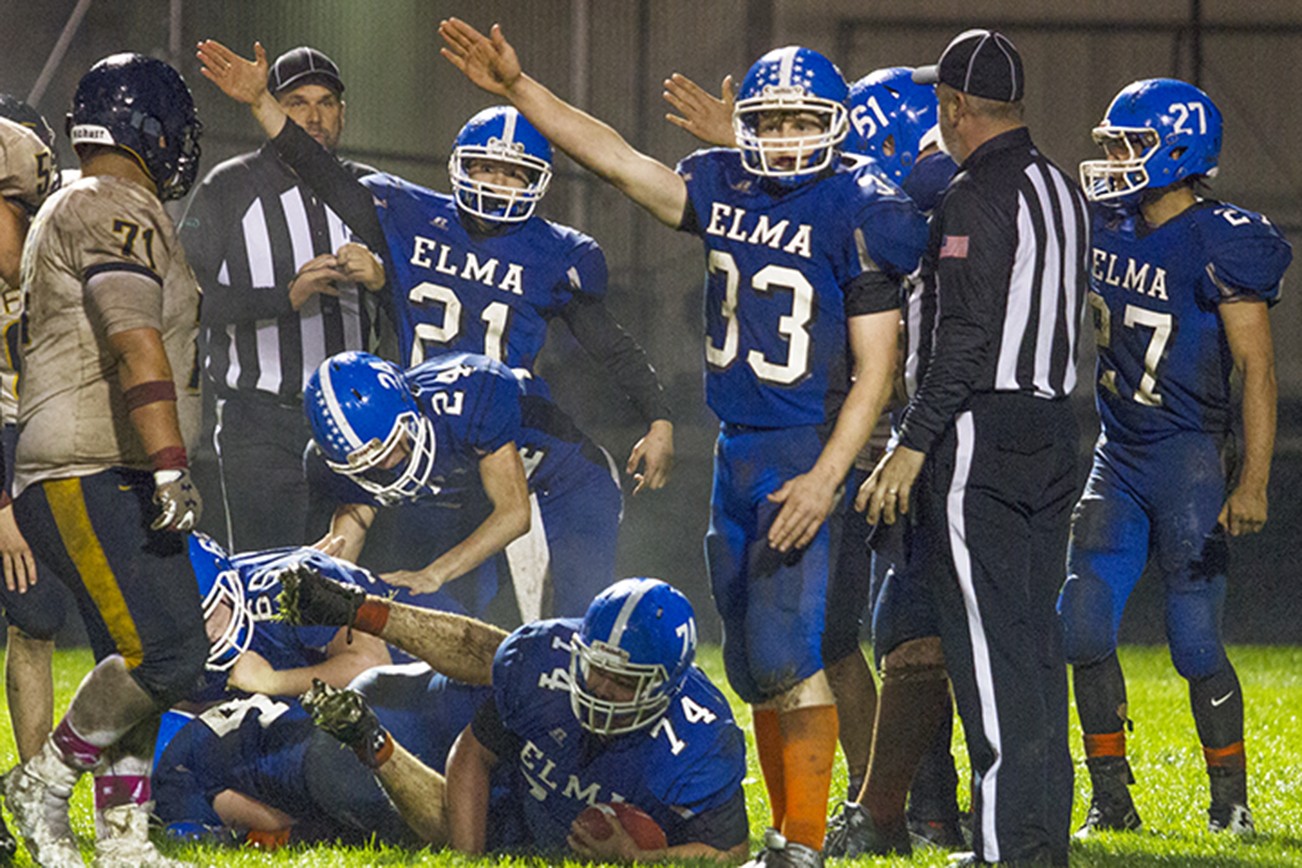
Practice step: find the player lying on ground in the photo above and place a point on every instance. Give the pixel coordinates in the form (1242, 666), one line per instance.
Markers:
(608, 708)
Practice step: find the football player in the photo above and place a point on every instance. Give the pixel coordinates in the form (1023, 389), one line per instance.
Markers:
(788, 229)
(582, 711)
(256, 769)
(29, 173)
(893, 121)
(103, 490)
(252, 649)
(476, 271)
(450, 428)
(1181, 286)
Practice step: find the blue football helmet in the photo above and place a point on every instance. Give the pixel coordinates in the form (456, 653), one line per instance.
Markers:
(892, 119)
(790, 79)
(1156, 132)
(221, 589)
(638, 638)
(503, 135)
(368, 426)
(143, 106)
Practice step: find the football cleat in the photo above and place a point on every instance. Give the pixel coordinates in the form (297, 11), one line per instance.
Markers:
(125, 840)
(853, 833)
(778, 852)
(345, 715)
(1234, 819)
(37, 793)
(944, 834)
(309, 599)
(1111, 808)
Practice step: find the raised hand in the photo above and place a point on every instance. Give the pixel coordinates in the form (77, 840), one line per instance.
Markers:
(702, 114)
(489, 63)
(239, 78)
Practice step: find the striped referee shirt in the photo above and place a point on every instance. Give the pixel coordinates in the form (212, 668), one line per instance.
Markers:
(249, 228)
(1004, 280)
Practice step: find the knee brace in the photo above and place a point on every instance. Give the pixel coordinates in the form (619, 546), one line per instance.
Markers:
(1085, 610)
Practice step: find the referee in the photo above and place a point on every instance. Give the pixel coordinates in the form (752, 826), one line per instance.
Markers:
(991, 442)
(275, 306)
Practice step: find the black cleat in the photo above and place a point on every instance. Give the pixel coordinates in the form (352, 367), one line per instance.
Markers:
(1234, 819)
(853, 833)
(1111, 808)
(345, 715)
(308, 598)
(945, 834)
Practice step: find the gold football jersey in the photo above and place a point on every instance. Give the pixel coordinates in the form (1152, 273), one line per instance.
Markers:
(72, 416)
(26, 178)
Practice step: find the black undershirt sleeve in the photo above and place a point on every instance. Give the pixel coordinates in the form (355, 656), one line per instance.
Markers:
(492, 733)
(872, 292)
(331, 181)
(616, 351)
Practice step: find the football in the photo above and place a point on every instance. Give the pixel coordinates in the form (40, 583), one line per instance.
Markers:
(644, 831)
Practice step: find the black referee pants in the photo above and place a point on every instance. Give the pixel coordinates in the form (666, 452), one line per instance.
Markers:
(260, 447)
(993, 513)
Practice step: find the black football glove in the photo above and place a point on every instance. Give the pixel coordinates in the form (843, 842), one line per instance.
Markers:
(345, 715)
(309, 599)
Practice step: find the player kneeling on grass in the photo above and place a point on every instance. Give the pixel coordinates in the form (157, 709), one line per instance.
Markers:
(603, 709)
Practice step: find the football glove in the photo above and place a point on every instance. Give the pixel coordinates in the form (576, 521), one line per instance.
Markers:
(178, 500)
(345, 715)
(309, 599)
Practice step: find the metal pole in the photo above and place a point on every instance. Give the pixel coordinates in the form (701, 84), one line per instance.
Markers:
(174, 33)
(580, 64)
(57, 53)
(1196, 41)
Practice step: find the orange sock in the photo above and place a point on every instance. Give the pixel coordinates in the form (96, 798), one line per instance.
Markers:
(808, 750)
(1105, 744)
(1231, 757)
(768, 744)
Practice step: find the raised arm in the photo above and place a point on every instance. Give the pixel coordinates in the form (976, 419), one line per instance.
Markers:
(491, 64)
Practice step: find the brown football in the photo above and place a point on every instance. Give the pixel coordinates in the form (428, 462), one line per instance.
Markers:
(644, 831)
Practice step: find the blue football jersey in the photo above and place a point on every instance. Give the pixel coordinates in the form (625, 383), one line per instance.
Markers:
(457, 291)
(1163, 359)
(779, 265)
(691, 760)
(478, 405)
(928, 180)
(284, 646)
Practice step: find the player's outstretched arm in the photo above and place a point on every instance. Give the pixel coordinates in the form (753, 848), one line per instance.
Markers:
(1247, 331)
(491, 63)
(502, 475)
(701, 113)
(243, 80)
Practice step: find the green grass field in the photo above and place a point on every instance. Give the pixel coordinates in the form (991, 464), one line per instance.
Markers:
(1171, 793)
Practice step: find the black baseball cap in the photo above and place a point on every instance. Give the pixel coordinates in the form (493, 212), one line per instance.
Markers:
(981, 62)
(300, 66)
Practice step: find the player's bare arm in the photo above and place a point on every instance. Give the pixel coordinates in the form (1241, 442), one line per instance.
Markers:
(652, 457)
(470, 767)
(492, 64)
(504, 482)
(620, 847)
(238, 811)
(346, 658)
(347, 533)
(243, 80)
(13, 231)
(809, 498)
(701, 113)
(1247, 330)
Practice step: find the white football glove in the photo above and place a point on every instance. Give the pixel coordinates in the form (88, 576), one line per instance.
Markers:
(178, 498)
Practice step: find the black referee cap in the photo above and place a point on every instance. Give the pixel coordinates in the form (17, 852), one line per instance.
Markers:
(300, 66)
(981, 62)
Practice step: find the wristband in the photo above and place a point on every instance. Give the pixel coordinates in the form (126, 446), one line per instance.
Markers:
(170, 458)
(143, 394)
